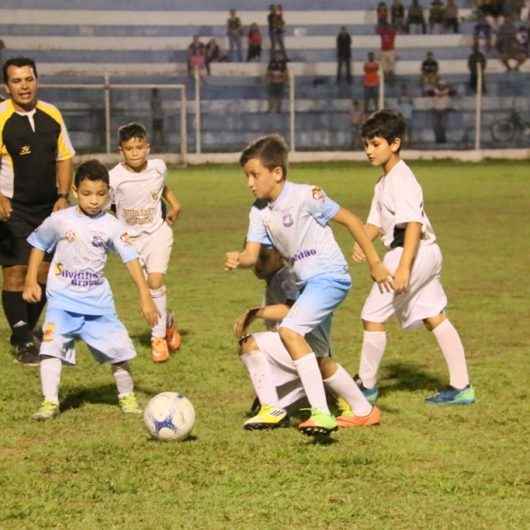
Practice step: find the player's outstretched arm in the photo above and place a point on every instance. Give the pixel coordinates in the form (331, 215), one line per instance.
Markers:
(410, 248)
(373, 232)
(275, 313)
(243, 260)
(147, 305)
(32, 290)
(379, 272)
(174, 205)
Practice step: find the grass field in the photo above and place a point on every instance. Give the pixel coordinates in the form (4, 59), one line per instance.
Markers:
(423, 468)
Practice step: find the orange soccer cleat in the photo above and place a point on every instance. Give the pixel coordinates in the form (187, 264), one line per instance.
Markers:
(159, 350)
(173, 338)
(374, 418)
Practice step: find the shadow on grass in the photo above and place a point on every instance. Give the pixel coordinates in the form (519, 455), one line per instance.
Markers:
(104, 394)
(407, 376)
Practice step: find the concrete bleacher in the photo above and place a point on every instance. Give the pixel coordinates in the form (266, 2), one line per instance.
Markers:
(146, 42)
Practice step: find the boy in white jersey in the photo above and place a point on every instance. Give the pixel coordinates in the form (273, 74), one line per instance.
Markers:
(138, 188)
(80, 303)
(397, 215)
(271, 368)
(294, 219)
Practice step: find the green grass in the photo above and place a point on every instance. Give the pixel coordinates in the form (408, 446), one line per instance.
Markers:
(423, 467)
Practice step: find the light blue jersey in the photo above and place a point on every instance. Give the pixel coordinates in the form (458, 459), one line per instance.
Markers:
(76, 282)
(296, 224)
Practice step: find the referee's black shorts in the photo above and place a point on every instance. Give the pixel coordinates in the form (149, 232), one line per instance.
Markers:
(14, 249)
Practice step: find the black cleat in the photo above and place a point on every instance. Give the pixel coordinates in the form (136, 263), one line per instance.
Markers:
(27, 354)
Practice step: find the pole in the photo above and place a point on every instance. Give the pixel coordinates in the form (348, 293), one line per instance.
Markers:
(197, 112)
(183, 124)
(107, 112)
(292, 84)
(382, 89)
(478, 109)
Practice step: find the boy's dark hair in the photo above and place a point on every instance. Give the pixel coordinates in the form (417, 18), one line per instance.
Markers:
(387, 124)
(91, 170)
(271, 150)
(19, 62)
(131, 130)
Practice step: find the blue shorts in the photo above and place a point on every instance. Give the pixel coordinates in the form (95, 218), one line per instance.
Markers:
(105, 336)
(319, 298)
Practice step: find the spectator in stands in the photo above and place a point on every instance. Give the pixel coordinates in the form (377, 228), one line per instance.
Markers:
(234, 32)
(344, 54)
(451, 16)
(493, 11)
(371, 84)
(157, 118)
(436, 17)
(198, 63)
(508, 45)
(213, 54)
(429, 73)
(357, 117)
(277, 30)
(381, 13)
(254, 43)
(476, 61)
(277, 78)
(482, 29)
(415, 18)
(440, 110)
(388, 52)
(193, 49)
(36, 167)
(397, 15)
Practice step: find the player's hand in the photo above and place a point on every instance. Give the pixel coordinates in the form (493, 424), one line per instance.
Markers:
(244, 321)
(232, 260)
(172, 215)
(358, 255)
(60, 204)
(382, 276)
(32, 293)
(5, 208)
(401, 280)
(149, 311)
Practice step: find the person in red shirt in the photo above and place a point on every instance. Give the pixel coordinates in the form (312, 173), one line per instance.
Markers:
(388, 53)
(254, 43)
(371, 83)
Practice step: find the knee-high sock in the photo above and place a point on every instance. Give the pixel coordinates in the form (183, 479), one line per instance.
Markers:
(50, 377)
(123, 378)
(343, 385)
(160, 299)
(260, 374)
(16, 312)
(309, 373)
(35, 310)
(453, 351)
(373, 349)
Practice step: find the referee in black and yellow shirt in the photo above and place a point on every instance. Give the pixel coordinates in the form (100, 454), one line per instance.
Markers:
(36, 162)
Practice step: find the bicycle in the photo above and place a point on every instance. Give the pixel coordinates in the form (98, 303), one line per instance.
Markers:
(510, 128)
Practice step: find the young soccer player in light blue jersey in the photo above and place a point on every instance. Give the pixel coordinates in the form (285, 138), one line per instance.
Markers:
(294, 218)
(80, 302)
(397, 215)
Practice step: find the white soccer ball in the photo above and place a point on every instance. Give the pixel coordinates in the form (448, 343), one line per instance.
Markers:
(169, 416)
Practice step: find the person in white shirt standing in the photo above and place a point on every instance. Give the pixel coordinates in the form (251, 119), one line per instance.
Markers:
(414, 258)
(138, 189)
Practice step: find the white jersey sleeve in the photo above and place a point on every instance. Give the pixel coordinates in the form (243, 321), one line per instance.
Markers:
(320, 206)
(257, 232)
(374, 216)
(119, 242)
(408, 200)
(45, 236)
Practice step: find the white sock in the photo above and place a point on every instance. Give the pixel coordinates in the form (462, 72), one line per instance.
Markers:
(260, 374)
(291, 397)
(160, 299)
(453, 351)
(343, 385)
(373, 349)
(50, 377)
(311, 378)
(123, 378)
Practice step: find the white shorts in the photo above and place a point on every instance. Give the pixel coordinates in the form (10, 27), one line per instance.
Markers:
(283, 368)
(105, 335)
(154, 250)
(424, 298)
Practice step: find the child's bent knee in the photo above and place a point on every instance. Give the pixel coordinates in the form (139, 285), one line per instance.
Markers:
(248, 345)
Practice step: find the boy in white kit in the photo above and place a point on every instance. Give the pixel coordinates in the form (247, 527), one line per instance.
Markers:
(138, 188)
(294, 219)
(270, 367)
(397, 215)
(80, 303)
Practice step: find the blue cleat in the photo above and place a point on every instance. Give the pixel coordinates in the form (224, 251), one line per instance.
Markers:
(453, 396)
(371, 394)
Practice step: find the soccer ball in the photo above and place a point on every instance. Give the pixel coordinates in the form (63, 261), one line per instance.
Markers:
(169, 416)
